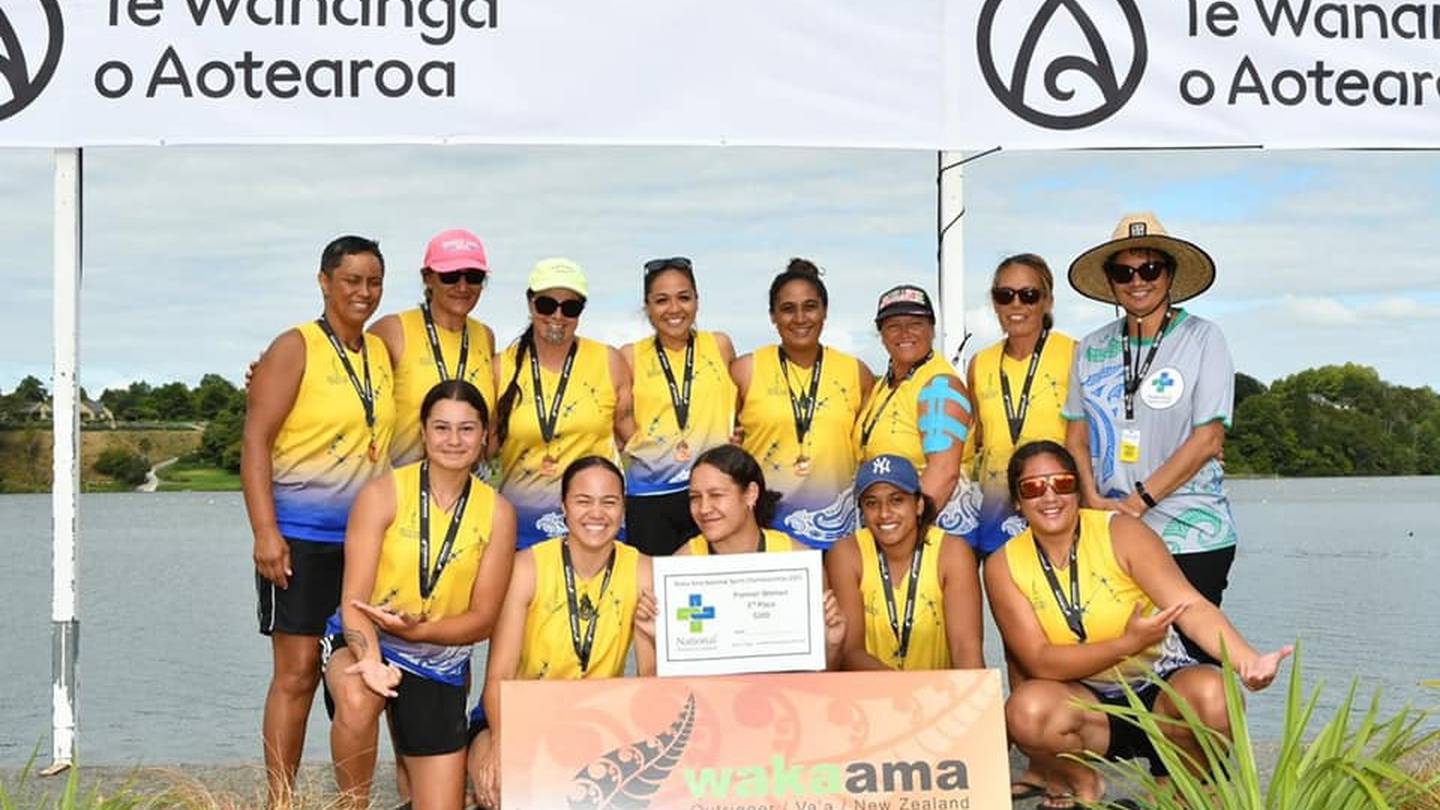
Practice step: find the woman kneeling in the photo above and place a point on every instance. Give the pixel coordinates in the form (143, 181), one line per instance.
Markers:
(1088, 601)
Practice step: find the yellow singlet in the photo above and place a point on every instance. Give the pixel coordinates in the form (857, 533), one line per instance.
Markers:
(929, 646)
(323, 453)
(998, 522)
(892, 420)
(652, 466)
(417, 373)
(1107, 595)
(548, 651)
(397, 578)
(586, 426)
(818, 507)
(774, 541)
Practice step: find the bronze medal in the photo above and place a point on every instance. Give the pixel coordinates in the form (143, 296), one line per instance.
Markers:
(682, 451)
(802, 465)
(548, 466)
(374, 451)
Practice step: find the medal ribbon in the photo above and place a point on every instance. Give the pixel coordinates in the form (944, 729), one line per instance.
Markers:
(679, 395)
(1072, 611)
(438, 354)
(805, 416)
(902, 635)
(1015, 419)
(583, 648)
(429, 577)
(866, 428)
(366, 392)
(1135, 376)
(547, 426)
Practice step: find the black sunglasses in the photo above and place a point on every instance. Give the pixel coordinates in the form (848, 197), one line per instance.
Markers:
(1029, 296)
(473, 277)
(678, 262)
(571, 308)
(1123, 273)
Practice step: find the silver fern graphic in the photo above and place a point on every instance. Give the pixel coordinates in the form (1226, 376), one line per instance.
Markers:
(628, 777)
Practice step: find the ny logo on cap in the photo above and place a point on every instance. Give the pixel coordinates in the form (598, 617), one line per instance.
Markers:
(880, 466)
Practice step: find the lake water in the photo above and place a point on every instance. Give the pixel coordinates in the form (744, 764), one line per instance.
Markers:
(172, 670)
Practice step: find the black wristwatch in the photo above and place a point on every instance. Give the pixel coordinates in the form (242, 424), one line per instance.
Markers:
(1144, 496)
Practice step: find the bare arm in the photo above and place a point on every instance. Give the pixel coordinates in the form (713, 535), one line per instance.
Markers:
(1203, 444)
(1026, 639)
(977, 435)
(842, 568)
(867, 379)
(960, 585)
(269, 398)
(504, 659)
(624, 397)
(741, 371)
(943, 439)
(1077, 441)
(392, 333)
(478, 622)
(372, 512)
(726, 347)
(645, 644)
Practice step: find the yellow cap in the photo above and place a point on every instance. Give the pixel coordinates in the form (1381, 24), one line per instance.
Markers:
(557, 273)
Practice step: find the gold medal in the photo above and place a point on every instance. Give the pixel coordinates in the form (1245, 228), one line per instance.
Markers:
(682, 451)
(802, 465)
(548, 464)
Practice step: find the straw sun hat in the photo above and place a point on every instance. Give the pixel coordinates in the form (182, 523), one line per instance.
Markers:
(1194, 269)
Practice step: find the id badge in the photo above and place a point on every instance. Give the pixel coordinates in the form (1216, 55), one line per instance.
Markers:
(1130, 446)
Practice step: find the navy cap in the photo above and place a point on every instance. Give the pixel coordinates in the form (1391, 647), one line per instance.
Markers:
(904, 299)
(891, 469)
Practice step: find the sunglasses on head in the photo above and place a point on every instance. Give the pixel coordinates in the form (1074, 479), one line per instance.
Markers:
(656, 265)
(1123, 273)
(472, 277)
(571, 308)
(1029, 296)
(1033, 487)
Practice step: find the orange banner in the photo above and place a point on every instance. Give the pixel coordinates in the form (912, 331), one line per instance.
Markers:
(800, 741)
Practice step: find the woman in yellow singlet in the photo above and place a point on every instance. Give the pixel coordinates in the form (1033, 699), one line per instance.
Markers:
(1018, 384)
(1088, 600)
(438, 340)
(561, 397)
(920, 409)
(428, 556)
(574, 604)
(684, 405)
(798, 403)
(910, 591)
(318, 420)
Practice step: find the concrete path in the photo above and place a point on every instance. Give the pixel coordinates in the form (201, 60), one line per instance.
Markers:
(152, 478)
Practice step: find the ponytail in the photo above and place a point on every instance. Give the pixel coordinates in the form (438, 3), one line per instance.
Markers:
(506, 403)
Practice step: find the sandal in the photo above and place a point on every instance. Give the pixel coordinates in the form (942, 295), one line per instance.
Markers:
(1020, 790)
(1057, 801)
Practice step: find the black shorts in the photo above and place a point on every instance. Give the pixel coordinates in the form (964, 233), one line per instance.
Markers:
(1128, 741)
(1209, 572)
(313, 594)
(657, 525)
(426, 717)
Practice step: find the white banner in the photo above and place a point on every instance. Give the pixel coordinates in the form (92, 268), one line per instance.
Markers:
(1126, 73)
(928, 74)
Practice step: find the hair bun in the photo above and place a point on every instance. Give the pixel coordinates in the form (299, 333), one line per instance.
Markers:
(805, 267)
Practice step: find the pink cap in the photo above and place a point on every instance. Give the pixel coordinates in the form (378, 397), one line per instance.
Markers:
(456, 249)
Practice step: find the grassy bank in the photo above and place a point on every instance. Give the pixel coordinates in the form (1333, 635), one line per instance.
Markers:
(25, 454)
(185, 476)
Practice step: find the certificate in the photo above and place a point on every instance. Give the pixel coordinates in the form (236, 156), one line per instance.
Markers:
(725, 614)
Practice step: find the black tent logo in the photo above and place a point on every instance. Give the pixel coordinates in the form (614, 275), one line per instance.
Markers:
(1098, 66)
(24, 83)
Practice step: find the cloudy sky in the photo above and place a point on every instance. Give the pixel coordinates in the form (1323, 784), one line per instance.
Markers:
(196, 257)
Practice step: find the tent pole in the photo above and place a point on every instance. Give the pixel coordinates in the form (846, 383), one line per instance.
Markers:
(950, 248)
(64, 500)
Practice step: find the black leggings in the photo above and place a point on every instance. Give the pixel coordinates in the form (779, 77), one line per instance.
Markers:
(1209, 572)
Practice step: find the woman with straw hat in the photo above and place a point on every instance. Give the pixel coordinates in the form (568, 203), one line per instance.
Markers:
(1151, 396)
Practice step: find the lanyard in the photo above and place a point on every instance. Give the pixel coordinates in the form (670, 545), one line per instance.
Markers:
(583, 648)
(866, 428)
(679, 397)
(803, 409)
(430, 577)
(547, 426)
(1072, 611)
(439, 355)
(1135, 376)
(759, 547)
(1014, 418)
(902, 635)
(366, 393)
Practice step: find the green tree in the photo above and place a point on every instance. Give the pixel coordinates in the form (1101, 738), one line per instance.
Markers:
(30, 389)
(123, 465)
(171, 402)
(1246, 387)
(213, 395)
